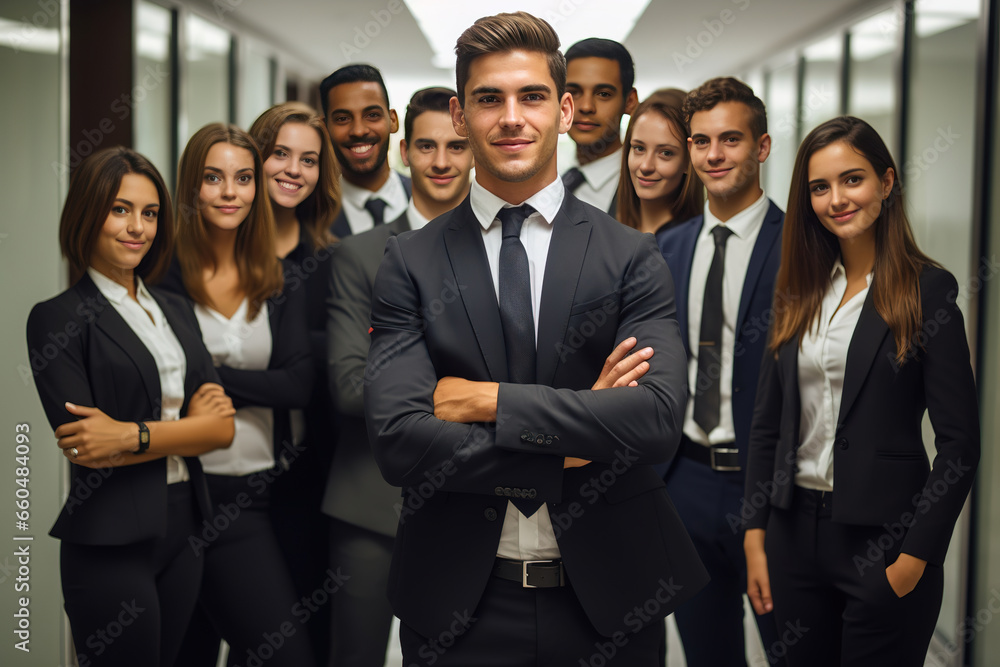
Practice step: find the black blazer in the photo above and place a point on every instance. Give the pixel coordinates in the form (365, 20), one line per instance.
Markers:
(93, 358)
(881, 473)
(435, 313)
(287, 382)
(355, 489)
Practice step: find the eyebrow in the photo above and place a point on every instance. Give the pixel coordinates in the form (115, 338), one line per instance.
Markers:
(371, 107)
(842, 174)
(128, 203)
(238, 171)
(290, 150)
(724, 133)
(597, 86)
(532, 88)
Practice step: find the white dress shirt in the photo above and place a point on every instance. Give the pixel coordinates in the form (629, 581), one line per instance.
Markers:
(353, 200)
(600, 184)
(522, 538)
(414, 217)
(822, 362)
(745, 227)
(162, 343)
(239, 343)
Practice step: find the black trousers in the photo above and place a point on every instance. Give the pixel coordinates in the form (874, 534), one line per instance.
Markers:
(530, 627)
(128, 605)
(711, 624)
(832, 601)
(247, 593)
(361, 616)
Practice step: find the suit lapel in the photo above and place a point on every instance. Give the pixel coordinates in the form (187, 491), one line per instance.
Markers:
(563, 264)
(865, 343)
(687, 237)
(464, 242)
(111, 323)
(766, 238)
(189, 339)
(788, 366)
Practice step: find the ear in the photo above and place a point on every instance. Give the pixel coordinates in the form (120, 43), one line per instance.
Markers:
(565, 113)
(457, 117)
(631, 101)
(763, 147)
(888, 180)
(393, 122)
(402, 152)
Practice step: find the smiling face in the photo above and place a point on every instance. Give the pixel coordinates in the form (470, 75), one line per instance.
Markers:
(725, 154)
(657, 157)
(360, 123)
(227, 187)
(129, 230)
(845, 192)
(440, 161)
(513, 117)
(292, 169)
(599, 103)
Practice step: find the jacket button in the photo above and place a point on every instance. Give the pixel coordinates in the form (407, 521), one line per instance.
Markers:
(490, 514)
(539, 439)
(841, 442)
(498, 490)
(525, 436)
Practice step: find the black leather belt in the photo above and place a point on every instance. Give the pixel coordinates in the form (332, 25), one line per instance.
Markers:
(724, 457)
(531, 573)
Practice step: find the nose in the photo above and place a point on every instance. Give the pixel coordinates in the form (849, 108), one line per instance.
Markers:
(440, 159)
(647, 164)
(135, 225)
(838, 200)
(229, 189)
(358, 128)
(585, 103)
(512, 116)
(715, 153)
(292, 166)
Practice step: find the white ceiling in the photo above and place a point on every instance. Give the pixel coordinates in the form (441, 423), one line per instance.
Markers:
(674, 43)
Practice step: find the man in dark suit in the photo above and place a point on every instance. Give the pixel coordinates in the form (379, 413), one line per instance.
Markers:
(533, 528)
(724, 263)
(359, 119)
(364, 507)
(599, 75)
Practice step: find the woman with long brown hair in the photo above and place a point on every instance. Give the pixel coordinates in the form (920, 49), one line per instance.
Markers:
(658, 185)
(254, 326)
(846, 522)
(129, 388)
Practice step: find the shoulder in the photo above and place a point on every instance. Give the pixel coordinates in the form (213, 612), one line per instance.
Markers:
(173, 280)
(65, 307)
(937, 286)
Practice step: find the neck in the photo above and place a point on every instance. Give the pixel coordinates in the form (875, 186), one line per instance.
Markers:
(372, 181)
(858, 255)
(587, 154)
(123, 277)
(653, 214)
(430, 208)
(222, 243)
(518, 192)
(284, 219)
(726, 207)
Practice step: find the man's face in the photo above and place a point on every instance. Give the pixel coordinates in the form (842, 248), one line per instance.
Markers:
(360, 125)
(440, 161)
(513, 117)
(599, 102)
(724, 152)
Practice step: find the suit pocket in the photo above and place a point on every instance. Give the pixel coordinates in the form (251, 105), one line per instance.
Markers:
(607, 303)
(902, 456)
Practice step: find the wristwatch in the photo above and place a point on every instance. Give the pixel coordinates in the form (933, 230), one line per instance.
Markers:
(143, 438)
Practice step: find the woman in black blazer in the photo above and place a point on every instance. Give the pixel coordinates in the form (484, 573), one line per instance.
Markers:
(129, 388)
(846, 523)
(256, 333)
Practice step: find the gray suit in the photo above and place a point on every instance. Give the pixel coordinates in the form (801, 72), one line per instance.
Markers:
(361, 502)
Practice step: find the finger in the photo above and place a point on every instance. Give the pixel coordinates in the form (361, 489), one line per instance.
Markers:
(620, 351)
(631, 378)
(765, 596)
(81, 410)
(69, 428)
(753, 593)
(629, 364)
(75, 440)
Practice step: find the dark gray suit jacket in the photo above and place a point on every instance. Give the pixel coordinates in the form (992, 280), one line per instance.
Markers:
(355, 490)
(435, 314)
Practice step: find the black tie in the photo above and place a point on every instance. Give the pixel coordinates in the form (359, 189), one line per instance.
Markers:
(377, 208)
(516, 318)
(572, 179)
(706, 398)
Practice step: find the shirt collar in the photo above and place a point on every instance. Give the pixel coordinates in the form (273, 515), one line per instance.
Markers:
(741, 224)
(112, 291)
(838, 270)
(415, 218)
(599, 172)
(486, 205)
(358, 195)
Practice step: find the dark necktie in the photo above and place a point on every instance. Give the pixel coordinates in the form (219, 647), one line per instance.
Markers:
(377, 208)
(516, 318)
(707, 397)
(572, 179)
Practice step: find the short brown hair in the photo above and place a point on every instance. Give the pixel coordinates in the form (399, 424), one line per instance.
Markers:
(508, 32)
(318, 211)
(92, 190)
(727, 89)
(256, 259)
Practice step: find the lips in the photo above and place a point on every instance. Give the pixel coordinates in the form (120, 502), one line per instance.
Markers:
(647, 183)
(586, 126)
(844, 217)
(512, 145)
(133, 245)
(441, 180)
(718, 173)
(288, 186)
(361, 150)
(228, 210)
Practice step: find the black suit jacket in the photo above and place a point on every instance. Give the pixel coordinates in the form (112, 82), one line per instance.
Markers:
(93, 358)
(881, 473)
(356, 492)
(341, 228)
(287, 382)
(435, 314)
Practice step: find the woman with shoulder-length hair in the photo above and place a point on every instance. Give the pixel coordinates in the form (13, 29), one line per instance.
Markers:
(658, 186)
(255, 329)
(866, 338)
(303, 181)
(131, 389)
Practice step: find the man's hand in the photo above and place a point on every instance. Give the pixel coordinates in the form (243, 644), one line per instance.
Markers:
(621, 370)
(465, 401)
(210, 399)
(905, 573)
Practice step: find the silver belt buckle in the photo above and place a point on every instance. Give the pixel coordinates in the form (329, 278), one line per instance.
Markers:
(524, 571)
(723, 450)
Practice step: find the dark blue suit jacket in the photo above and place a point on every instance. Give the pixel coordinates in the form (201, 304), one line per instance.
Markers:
(754, 316)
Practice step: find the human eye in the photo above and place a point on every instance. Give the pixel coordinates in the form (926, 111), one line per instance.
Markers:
(818, 188)
(457, 148)
(341, 118)
(425, 146)
(212, 178)
(280, 153)
(701, 142)
(243, 179)
(604, 94)
(151, 213)
(666, 154)
(373, 115)
(310, 161)
(534, 97)
(854, 179)
(118, 209)
(488, 99)
(636, 148)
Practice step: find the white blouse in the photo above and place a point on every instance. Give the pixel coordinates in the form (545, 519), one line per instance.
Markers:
(822, 362)
(239, 343)
(159, 339)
